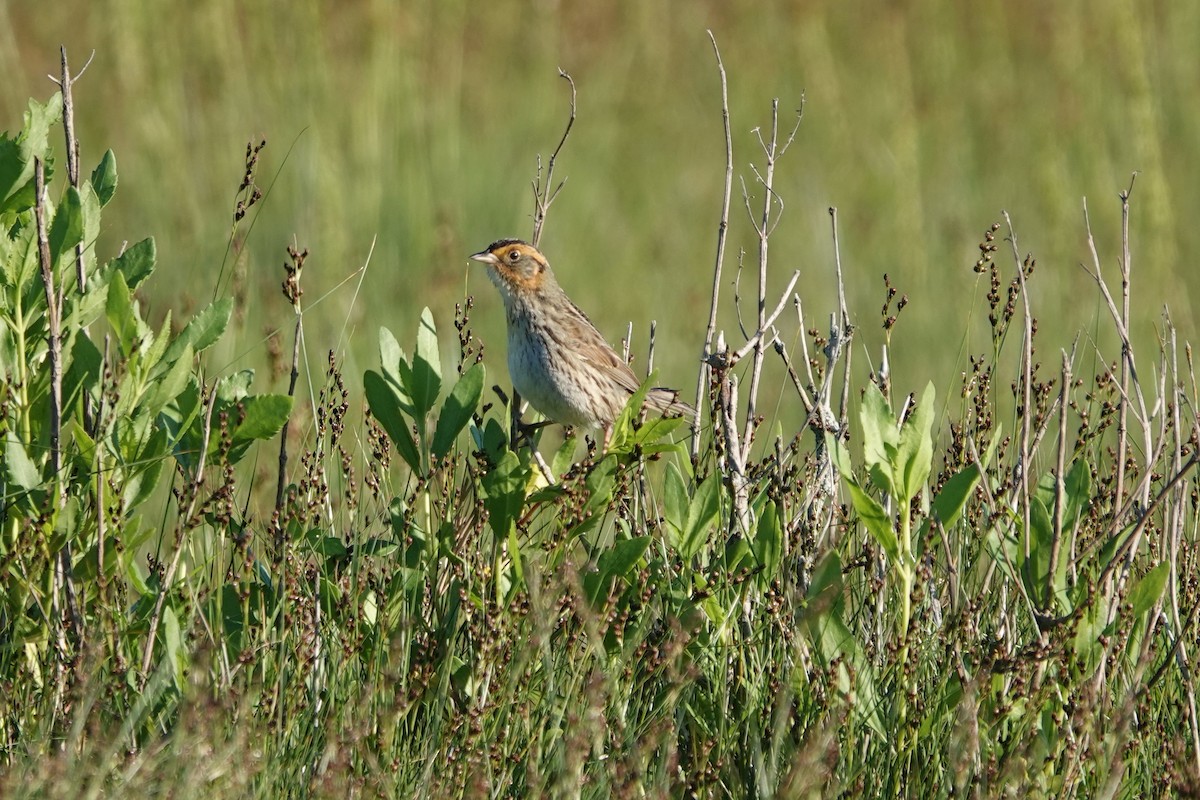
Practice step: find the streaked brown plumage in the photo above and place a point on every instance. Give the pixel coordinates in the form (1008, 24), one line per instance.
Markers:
(557, 359)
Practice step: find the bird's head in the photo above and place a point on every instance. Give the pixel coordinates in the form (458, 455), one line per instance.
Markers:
(515, 266)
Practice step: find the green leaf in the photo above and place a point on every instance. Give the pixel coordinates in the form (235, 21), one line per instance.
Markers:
(701, 514)
(170, 385)
(173, 650)
(121, 314)
(876, 519)
(1041, 541)
(141, 483)
(505, 486)
(390, 354)
(563, 457)
(914, 452)
(1149, 588)
(17, 156)
(265, 415)
(202, 332)
(624, 556)
(104, 178)
(880, 437)
(136, 263)
(381, 397)
(768, 543)
(457, 410)
(675, 500)
(19, 468)
(426, 375)
(66, 230)
(949, 503)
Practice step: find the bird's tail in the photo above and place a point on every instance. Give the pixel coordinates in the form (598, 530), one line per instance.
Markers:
(667, 402)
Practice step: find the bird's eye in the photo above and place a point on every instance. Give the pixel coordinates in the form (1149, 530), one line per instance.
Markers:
(514, 256)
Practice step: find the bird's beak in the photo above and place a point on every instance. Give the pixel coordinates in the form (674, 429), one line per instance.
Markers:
(485, 257)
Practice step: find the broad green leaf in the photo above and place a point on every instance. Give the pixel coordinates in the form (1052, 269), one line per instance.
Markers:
(386, 407)
(17, 155)
(914, 453)
(82, 373)
(141, 483)
(152, 355)
(701, 515)
(880, 437)
(1041, 537)
(563, 457)
(624, 556)
(202, 332)
(66, 230)
(121, 314)
(1149, 588)
(675, 501)
(265, 415)
(768, 543)
(948, 504)
(104, 178)
(426, 374)
(173, 650)
(457, 410)
(390, 354)
(90, 208)
(136, 263)
(876, 519)
(505, 486)
(168, 387)
(18, 466)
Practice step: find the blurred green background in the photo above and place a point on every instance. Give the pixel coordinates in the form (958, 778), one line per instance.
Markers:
(416, 126)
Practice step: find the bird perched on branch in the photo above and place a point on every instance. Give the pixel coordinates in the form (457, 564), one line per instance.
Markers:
(557, 359)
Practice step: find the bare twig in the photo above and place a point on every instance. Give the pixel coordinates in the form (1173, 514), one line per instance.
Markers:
(722, 231)
(844, 314)
(1059, 482)
(543, 195)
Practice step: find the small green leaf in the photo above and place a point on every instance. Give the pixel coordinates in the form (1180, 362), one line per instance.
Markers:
(386, 408)
(457, 410)
(104, 178)
(1149, 588)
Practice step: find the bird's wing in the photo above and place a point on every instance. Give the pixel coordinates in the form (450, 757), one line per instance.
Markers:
(595, 350)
